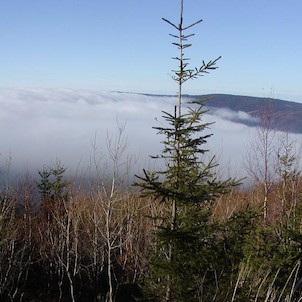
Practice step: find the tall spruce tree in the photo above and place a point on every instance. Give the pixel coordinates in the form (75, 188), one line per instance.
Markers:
(187, 185)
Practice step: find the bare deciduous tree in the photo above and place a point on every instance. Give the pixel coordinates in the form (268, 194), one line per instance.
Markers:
(261, 158)
(109, 199)
(288, 171)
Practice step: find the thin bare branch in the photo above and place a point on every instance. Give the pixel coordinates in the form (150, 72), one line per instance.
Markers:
(170, 23)
(193, 24)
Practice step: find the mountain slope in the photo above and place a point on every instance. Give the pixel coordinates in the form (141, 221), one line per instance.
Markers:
(287, 115)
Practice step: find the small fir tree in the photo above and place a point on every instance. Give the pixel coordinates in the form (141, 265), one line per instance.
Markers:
(53, 188)
(188, 185)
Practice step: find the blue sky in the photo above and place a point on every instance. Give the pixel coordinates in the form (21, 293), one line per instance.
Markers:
(124, 45)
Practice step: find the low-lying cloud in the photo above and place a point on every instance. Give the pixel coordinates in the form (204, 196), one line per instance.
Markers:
(40, 126)
(228, 114)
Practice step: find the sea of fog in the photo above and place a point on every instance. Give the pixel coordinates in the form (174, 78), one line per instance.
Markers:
(81, 129)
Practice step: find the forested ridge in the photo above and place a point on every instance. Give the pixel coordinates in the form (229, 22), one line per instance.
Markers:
(288, 113)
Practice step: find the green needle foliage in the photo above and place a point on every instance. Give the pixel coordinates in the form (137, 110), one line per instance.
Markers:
(188, 185)
(53, 188)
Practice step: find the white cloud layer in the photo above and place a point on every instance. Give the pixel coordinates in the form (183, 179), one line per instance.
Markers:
(232, 115)
(39, 126)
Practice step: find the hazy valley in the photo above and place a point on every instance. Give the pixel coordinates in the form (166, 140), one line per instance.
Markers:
(40, 126)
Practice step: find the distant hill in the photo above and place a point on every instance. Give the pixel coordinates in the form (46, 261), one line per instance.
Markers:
(288, 115)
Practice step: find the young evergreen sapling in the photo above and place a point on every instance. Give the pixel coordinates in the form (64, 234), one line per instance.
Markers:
(187, 184)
